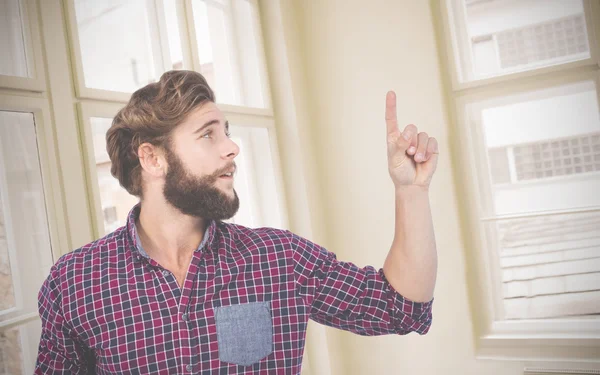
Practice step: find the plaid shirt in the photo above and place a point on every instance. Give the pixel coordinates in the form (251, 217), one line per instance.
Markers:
(107, 308)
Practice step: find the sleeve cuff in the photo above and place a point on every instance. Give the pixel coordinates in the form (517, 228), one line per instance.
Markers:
(408, 316)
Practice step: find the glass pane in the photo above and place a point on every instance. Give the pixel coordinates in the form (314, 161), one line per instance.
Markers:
(19, 347)
(7, 294)
(119, 42)
(508, 36)
(173, 33)
(255, 181)
(253, 69)
(26, 237)
(115, 201)
(247, 213)
(228, 49)
(550, 265)
(13, 59)
(543, 149)
(11, 352)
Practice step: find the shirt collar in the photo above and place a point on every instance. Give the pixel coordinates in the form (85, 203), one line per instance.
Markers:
(134, 214)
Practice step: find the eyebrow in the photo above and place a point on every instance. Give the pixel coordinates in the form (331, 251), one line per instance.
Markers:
(211, 122)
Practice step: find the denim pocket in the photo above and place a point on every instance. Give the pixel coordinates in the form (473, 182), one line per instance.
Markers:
(244, 332)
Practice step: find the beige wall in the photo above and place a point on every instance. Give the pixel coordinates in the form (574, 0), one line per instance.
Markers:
(352, 52)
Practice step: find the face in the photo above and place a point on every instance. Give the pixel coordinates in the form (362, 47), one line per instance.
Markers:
(200, 159)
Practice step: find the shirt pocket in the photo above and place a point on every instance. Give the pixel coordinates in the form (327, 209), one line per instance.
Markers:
(244, 332)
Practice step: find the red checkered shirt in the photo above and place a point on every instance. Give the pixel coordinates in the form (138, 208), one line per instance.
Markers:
(107, 308)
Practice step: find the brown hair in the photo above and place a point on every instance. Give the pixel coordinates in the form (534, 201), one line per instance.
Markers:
(151, 114)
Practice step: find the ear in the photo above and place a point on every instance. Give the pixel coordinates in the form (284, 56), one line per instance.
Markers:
(152, 159)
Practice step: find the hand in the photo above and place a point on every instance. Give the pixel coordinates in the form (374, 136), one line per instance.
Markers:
(412, 156)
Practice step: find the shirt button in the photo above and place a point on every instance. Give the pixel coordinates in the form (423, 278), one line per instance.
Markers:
(188, 368)
(166, 273)
(185, 318)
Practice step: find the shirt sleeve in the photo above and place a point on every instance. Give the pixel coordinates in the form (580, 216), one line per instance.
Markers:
(60, 351)
(359, 300)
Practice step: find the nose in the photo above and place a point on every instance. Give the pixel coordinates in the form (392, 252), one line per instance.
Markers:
(233, 149)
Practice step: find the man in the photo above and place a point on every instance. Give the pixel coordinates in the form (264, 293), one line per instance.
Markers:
(177, 290)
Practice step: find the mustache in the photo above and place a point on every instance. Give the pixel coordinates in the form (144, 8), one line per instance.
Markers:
(219, 172)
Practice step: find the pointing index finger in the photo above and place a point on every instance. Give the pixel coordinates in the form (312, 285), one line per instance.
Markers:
(391, 119)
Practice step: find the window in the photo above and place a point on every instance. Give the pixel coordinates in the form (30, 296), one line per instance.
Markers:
(229, 50)
(13, 63)
(499, 37)
(225, 43)
(114, 202)
(11, 352)
(545, 159)
(33, 229)
(25, 244)
(219, 38)
(550, 266)
(18, 348)
(559, 38)
(526, 139)
(532, 165)
(20, 62)
(257, 185)
(113, 57)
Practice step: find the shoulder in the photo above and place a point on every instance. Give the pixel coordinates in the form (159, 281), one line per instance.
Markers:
(76, 265)
(285, 239)
(264, 236)
(240, 232)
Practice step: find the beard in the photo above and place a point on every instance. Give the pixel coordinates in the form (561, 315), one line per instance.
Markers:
(197, 196)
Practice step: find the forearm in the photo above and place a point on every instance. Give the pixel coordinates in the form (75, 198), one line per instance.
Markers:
(411, 264)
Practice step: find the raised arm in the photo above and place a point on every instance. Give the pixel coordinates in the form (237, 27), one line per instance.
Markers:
(411, 264)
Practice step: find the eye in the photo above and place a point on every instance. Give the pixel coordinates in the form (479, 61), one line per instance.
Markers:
(207, 134)
(228, 133)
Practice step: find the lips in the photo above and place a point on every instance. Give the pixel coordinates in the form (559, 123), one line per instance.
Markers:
(228, 174)
(228, 171)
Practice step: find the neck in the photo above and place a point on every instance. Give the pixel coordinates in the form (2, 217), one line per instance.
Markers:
(167, 235)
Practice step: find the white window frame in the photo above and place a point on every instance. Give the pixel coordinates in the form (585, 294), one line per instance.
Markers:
(48, 163)
(160, 56)
(104, 103)
(51, 185)
(191, 59)
(92, 102)
(12, 247)
(30, 95)
(33, 52)
(267, 207)
(86, 111)
(239, 75)
(459, 55)
(496, 338)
